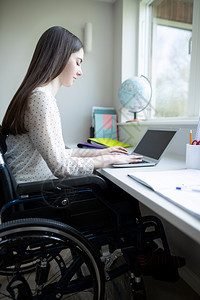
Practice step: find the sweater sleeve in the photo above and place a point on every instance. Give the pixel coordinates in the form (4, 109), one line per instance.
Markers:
(44, 127)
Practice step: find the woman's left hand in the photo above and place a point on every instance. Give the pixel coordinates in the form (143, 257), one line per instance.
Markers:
(113, 150)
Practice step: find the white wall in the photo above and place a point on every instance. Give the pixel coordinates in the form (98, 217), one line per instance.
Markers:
(125, 45)
(21, 24)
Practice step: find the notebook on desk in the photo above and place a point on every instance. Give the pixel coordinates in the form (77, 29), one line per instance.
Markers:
(152, 147)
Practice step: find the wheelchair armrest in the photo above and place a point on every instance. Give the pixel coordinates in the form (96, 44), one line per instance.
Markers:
(92, 181)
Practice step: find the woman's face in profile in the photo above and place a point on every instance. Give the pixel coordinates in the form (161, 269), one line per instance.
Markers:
(72, 69)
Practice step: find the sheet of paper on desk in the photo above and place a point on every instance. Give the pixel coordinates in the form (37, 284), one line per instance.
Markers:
(165, 183)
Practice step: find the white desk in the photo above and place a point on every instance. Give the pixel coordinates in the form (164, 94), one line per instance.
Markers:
(169, 211)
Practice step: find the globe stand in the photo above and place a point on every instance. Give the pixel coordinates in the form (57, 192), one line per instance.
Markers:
(133, 120)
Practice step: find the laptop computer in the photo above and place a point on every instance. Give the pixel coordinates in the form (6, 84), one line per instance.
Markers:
(152, 146)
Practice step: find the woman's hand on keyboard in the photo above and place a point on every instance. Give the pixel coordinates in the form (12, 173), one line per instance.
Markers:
(106, 160)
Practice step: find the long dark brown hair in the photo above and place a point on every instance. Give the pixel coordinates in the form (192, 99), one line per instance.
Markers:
(51, 55)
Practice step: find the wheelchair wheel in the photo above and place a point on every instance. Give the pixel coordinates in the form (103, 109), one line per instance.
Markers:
(45, 259)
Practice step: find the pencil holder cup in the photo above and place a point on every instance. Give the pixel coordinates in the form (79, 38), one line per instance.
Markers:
(192, 156)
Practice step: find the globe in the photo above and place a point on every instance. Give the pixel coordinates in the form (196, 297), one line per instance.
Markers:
(135, 94)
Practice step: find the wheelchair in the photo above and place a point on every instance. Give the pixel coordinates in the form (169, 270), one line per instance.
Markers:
(65, 239)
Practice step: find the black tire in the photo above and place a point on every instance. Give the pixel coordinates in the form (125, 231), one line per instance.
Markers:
(44, 259)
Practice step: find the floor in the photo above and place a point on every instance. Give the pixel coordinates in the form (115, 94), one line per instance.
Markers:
(158, 290)
(119, 289)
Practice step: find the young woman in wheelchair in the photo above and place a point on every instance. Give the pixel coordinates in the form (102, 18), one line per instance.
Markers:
(35, 147)
(36, 152)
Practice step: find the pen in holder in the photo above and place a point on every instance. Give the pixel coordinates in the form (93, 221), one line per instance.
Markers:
(192, 156)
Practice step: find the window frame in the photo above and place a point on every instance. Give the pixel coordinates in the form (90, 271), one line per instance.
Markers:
(144, 56)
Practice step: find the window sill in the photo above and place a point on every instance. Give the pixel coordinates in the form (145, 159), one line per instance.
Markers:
(161, 122)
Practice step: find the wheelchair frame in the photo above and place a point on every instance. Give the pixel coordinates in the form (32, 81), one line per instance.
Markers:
(61, 239)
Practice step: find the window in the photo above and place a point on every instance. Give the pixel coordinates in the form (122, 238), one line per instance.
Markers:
(165, 49)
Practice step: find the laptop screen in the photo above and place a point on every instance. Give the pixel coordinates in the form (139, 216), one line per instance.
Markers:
(154, 143)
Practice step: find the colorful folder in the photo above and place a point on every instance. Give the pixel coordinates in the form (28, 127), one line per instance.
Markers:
(107, 142)
(105, 122)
